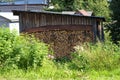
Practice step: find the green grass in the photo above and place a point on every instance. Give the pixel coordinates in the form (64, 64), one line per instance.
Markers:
(61, 74)
(49, 71)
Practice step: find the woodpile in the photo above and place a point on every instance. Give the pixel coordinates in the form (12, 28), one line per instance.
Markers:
(63, 41)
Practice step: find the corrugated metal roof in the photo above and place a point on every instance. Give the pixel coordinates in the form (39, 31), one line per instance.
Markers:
(31, 2)
(80, 12)
(90, 13)
(9, 16)
(84, 13)
(68, 12)
(25, 2)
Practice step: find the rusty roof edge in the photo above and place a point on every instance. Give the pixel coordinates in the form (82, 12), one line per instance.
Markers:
(16, 12)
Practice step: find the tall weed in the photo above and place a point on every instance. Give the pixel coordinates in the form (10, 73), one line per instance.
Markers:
(20, 51)
(97, 56)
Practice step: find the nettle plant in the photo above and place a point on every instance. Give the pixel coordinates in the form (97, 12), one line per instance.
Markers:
(20, 52)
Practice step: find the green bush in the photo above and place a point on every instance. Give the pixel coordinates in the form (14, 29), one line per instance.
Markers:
(20, 51)
(99, 56)
(78, 62)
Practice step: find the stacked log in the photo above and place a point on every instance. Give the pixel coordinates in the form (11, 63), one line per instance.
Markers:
(63, 41)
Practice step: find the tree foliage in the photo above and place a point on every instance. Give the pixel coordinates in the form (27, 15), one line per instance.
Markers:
(99, 7)
(114, 27)
(68, 4)
(63, 4)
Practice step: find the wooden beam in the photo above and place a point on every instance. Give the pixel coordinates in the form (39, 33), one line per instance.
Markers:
(59, 27)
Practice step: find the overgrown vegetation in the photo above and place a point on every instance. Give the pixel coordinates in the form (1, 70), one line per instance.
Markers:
(25, 58)
(99, 56)
(20, 52)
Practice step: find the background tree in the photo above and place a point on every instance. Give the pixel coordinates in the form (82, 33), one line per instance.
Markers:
(63, 4)
(68, 4)
(114, 27)
(80, 4)
(99, 7)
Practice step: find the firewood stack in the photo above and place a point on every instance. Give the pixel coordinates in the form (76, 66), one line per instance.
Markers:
(63, 41)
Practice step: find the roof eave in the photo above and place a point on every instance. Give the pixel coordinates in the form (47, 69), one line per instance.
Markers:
(16, 12)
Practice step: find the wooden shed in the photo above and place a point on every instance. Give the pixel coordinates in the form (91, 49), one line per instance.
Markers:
(61, 31)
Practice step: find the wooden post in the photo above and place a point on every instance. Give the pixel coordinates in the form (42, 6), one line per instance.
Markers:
(20, 22)
(94, 23)
(102, 36)
(99, 30)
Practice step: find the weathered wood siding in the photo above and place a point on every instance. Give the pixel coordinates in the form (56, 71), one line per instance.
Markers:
(30, 20)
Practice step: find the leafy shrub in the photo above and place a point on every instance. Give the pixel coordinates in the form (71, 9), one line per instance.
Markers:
(63, 59)
(20, 51)
(79, 62)
(97, 56)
